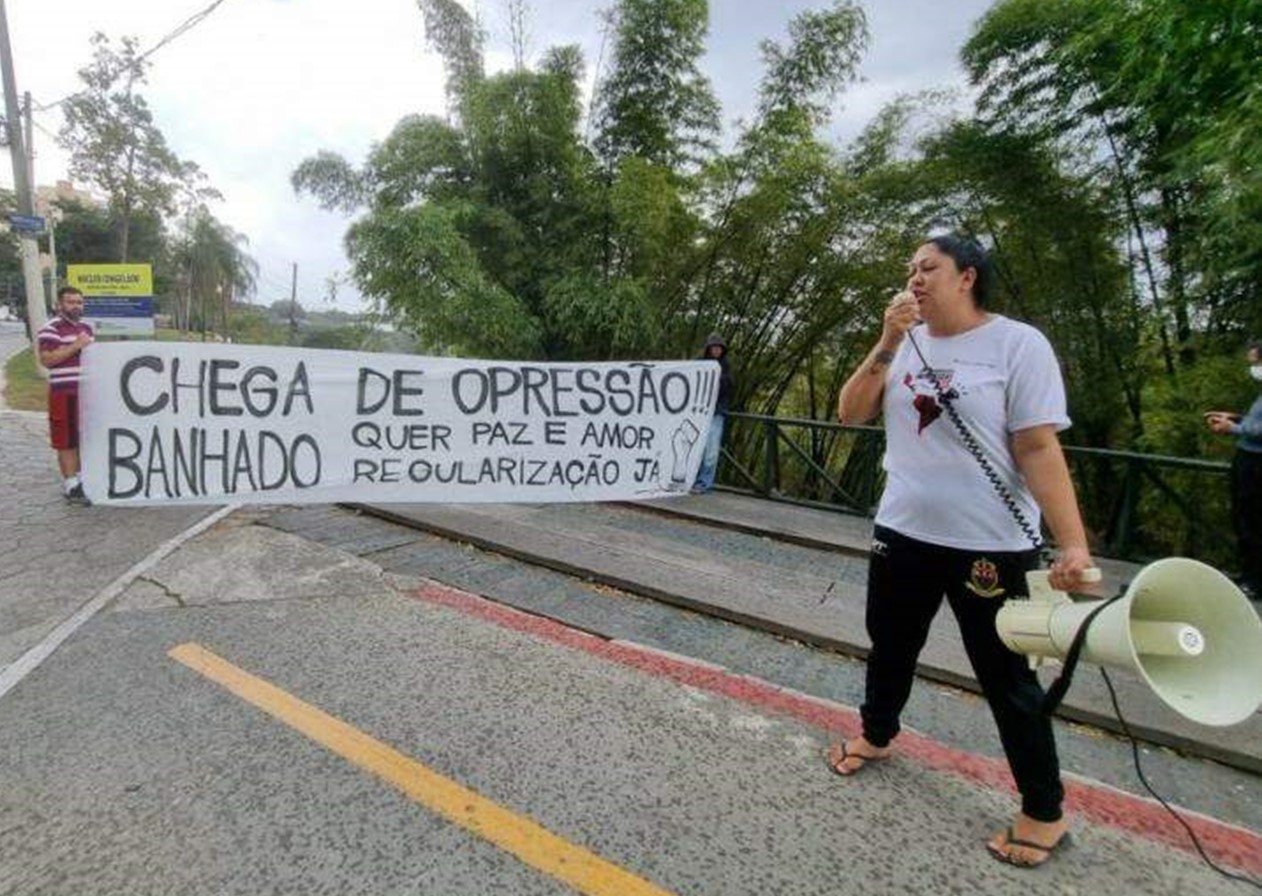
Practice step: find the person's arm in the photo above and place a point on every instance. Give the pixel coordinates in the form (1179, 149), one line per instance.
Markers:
(860, 398)
(1249, 425)
(51, 356)
(1041, 460)
(1222, 422)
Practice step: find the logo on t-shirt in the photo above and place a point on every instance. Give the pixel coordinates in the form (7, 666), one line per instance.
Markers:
(983, 579)
(925, 394)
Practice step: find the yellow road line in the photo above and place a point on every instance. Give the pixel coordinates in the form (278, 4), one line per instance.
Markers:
(533, 844)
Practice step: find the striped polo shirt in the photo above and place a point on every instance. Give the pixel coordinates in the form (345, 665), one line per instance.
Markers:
(55, 334)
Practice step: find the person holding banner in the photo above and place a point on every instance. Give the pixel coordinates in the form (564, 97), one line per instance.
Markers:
(943, 529)
(715, 350)
(60, 342)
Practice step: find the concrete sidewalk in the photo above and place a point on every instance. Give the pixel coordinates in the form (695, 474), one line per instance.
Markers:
(795, 572)
(57, 555)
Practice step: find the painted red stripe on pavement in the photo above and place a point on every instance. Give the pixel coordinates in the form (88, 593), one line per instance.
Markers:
(1227, 844)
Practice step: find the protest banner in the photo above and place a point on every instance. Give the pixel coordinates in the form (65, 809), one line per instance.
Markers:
(192, 423)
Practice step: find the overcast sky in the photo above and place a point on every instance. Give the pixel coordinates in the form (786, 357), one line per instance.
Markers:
(260, 85)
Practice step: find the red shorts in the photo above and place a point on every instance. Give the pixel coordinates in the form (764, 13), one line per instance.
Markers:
(63, 420)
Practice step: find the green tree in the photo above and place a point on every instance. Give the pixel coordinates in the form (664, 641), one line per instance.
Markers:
(1193, 69)
(14, 294)
(769, 269)
(1054, 241)
(249, 325)
(466, 228)
(655, 104)
(500, 231)
(114, 143)
(454, 33)
(87, 233)
(214, 270)
(1167, 94)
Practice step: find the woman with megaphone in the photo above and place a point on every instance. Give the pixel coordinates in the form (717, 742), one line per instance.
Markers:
(972, 403)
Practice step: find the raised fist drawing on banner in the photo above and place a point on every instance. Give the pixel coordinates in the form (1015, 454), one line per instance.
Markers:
(681, 444)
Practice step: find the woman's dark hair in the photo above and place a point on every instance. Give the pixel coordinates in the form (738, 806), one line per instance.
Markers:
(966, 252)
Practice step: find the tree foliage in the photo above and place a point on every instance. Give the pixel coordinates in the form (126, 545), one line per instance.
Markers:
(504, 230)
(1111, 166)
(14, 289)
(115, 145)
(655, 105)
(1166, 93)
(212, 269)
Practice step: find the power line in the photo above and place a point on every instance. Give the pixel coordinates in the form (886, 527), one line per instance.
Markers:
(181, 29)
(185, 26)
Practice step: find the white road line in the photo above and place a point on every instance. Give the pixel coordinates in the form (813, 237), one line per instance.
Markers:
(29, 661)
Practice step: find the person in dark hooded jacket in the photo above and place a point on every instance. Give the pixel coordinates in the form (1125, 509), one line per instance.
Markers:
(715, 350)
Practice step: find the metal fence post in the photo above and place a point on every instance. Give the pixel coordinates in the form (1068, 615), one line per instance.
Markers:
(1130, 503)
(771, 457)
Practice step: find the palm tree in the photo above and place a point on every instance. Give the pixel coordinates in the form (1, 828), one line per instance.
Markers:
(215, 269)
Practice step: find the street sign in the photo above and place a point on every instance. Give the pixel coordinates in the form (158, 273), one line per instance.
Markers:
(111, 279)
(118, 298)
(119, 315)
(27, 223)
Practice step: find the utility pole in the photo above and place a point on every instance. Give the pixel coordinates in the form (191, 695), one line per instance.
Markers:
(36, 309)
(47, 211)
(293, 307)
(29, 145)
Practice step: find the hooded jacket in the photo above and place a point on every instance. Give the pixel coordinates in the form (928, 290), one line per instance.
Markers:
(725, 372)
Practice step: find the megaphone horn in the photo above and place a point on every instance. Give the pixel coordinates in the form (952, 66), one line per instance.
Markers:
(1182, 625)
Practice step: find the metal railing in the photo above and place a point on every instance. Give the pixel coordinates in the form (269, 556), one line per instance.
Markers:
(1136, 506)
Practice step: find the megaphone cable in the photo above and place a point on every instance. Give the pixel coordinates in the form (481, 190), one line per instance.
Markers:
(975, 448)
(1058, 688)
(1139, 770)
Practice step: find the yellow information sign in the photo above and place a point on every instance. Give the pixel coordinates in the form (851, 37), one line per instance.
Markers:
(111, 279)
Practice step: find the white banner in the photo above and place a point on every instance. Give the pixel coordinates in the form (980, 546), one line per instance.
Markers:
(194, 423)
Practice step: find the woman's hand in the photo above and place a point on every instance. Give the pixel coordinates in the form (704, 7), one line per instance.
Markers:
(901, 315)
(1067, 572)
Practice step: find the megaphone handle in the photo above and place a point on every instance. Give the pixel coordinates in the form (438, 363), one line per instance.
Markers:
(1056, 692)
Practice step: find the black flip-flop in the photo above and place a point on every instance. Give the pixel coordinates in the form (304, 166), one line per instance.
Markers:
(1014, 840)
(846, 754)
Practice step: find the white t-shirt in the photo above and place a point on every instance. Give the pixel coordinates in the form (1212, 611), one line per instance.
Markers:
(1005, 378)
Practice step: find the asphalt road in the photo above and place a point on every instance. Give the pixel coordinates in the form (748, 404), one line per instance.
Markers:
(126, 771)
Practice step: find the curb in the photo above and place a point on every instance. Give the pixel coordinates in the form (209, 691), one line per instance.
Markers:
(12, 674)
(1093, 800)
(926, 671)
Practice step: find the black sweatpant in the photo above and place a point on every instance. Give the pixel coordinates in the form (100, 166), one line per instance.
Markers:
(906, 581)
(1246, 516)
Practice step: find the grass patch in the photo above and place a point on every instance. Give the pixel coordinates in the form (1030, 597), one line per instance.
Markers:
(24, 388)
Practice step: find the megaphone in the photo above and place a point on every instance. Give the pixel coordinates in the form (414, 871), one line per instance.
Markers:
(1182, 625)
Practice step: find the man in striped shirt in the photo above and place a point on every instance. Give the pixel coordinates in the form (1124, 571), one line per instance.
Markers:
(60, 342)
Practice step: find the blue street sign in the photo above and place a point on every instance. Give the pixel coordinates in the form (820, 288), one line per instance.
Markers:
(26, 223)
